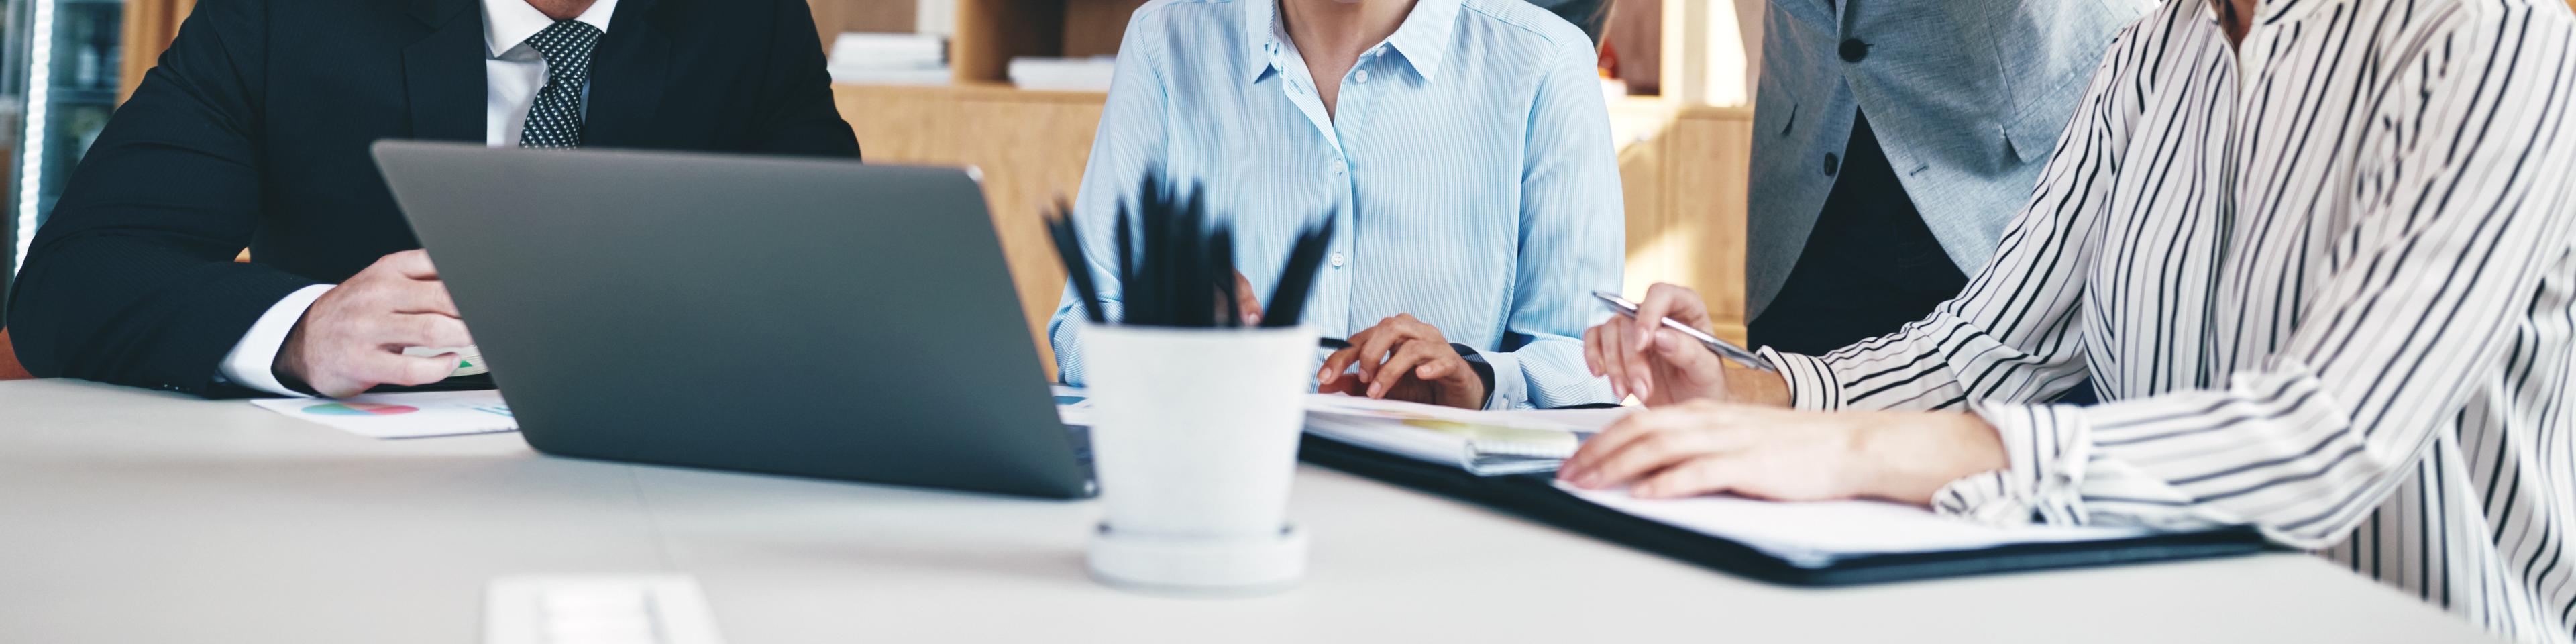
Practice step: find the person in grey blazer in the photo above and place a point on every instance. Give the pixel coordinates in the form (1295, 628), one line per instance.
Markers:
(1893, 139)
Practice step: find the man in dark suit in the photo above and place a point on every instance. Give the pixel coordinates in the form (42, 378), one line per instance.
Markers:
(254, 132)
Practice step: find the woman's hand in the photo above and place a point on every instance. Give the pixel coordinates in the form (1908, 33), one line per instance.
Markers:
(1706, 447)
(1661, 366)
(1246, 304)
(1404, 359)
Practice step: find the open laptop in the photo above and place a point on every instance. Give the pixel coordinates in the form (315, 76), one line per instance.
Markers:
(806, 317)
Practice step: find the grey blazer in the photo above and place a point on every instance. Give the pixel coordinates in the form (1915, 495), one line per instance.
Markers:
(1966, 96)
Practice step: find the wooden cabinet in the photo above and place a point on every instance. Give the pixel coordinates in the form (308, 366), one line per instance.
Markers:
(831, 17)
(990, 32)
(1685, 174)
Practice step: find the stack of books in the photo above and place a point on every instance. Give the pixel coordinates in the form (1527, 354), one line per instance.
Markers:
(1089, 74)
(890, 59)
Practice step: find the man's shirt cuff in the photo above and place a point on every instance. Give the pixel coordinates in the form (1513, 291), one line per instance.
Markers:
(251, 362)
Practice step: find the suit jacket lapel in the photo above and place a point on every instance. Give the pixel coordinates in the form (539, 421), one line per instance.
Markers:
(443, 75)
(627, 75)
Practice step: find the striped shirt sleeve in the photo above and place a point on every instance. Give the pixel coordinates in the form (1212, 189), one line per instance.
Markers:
(2447, 226)
(2011, 334)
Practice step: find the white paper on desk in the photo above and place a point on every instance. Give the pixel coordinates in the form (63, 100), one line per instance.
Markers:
(405, 415)
(1816, 534)
(1072, 405)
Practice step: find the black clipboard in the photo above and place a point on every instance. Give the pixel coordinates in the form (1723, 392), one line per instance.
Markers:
(1535, 497)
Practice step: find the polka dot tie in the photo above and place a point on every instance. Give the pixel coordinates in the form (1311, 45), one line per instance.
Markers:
(554, 120)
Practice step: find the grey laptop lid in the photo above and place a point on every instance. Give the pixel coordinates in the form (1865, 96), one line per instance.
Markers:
(807, 317)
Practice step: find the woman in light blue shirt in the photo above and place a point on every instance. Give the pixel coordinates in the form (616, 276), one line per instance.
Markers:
(1462, 148)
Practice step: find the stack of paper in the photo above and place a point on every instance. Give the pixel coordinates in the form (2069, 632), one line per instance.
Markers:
(890, 59)
(1065, 74)
(1486, 443)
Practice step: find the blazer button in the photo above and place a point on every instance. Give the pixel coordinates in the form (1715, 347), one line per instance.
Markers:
(1832, 164)
(1853, 50)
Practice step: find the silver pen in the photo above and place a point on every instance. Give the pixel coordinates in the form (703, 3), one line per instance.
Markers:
(1722, 348)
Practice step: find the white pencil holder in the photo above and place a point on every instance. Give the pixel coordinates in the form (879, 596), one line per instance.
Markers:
(1194, 441)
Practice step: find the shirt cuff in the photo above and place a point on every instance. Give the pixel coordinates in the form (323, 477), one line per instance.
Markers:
(1511, 385)
(1064, 333)
(1812, 384)
(252, 361)
(2045, 449)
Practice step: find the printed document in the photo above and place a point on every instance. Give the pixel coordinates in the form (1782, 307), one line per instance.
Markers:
(404, 415)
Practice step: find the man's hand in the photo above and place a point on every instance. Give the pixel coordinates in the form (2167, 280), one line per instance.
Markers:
(1706, 447)
(1404, 359)
(352, 338)
(1661, 366)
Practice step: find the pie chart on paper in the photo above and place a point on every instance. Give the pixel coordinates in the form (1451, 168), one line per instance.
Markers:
(358, 409)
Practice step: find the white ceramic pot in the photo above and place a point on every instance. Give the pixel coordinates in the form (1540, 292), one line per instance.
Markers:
(1194, 442)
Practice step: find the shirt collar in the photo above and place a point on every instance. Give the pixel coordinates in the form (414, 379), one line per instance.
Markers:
(2266, 13)
(1422, 39)
(1424, 36)
(508, 23)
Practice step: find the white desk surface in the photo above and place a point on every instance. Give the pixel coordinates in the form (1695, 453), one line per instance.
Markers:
(134, 516)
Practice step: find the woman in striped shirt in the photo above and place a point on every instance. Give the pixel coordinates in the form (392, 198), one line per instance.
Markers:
(2319, 256)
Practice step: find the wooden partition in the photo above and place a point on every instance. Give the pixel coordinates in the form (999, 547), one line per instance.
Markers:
(1685, 175)
(149, 27)
(991, 32)
(831, 17)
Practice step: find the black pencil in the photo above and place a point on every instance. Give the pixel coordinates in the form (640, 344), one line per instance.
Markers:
(1221, 268)
(1126, 260)
(1068, 247)
(1297, 281)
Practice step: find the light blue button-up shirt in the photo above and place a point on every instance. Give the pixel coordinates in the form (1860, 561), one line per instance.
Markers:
(1468, 170)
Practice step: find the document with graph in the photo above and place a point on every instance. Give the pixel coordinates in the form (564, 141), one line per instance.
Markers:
(404, 415)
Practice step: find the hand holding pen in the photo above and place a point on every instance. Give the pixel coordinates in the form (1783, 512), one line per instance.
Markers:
(1644, 355)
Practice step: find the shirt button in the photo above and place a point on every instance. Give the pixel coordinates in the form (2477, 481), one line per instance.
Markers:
(1339, 260)
(1853, 50)
(1832, 164)
(1363, 76)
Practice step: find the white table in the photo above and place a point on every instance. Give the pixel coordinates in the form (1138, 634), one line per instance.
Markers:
(134, 516)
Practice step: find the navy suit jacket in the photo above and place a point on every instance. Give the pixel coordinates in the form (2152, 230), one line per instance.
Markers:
(254, 132)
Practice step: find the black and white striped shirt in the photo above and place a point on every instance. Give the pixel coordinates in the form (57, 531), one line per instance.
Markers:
(2326, 280)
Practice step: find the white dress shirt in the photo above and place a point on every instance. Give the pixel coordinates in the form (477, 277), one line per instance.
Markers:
(2325, 281)
(513, 73)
